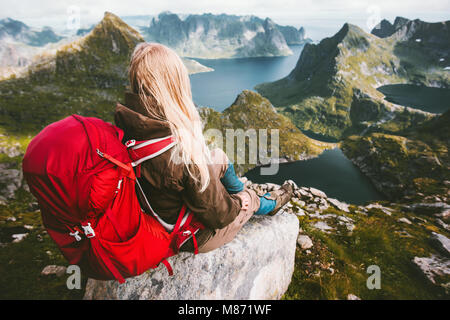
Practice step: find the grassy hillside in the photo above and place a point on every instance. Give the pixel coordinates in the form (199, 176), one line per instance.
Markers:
(414, 163)
(252, 111)
(332, 90)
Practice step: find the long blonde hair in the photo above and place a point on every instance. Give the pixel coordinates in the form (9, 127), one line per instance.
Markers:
(158, 75)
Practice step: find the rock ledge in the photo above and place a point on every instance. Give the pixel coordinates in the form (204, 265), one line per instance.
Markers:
(257, 264)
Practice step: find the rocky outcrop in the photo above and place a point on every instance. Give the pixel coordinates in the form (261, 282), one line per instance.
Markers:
(251, 114)
(436, 269)
(385, 29)
(294, 36)
(415, 163)
(11, 179)
(219, 36)
(195, 66)
(320, 214)
(257, 264)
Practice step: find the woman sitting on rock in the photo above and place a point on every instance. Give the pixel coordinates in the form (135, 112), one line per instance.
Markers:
(159, 105)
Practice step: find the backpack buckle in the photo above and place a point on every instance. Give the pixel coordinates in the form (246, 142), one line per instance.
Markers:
(187, 233)
(130, 143)
(88, 230)
(101, 154)
(76, 234)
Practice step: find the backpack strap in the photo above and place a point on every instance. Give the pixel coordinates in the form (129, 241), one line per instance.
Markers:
(183, 229)
(141, 151)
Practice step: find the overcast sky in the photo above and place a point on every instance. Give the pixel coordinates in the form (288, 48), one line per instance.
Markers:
(321, 18)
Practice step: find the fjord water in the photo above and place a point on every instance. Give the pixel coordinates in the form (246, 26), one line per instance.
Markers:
(434, 100)
(331, 172)
(219, 88)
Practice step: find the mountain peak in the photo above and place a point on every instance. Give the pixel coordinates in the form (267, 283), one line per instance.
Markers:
(353, 28)
(104, 50)
(302, 32)
(385, 28)
(248, 98)
(166, 13)
(112, 22)
(350, 35)
(7, 20)
(400, 22)
(269, 24)
(12, 27)
(114, 31)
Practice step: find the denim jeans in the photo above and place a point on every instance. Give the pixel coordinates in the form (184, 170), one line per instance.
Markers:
(230, 180)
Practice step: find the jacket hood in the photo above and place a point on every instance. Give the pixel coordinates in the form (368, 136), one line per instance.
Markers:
(133, 118)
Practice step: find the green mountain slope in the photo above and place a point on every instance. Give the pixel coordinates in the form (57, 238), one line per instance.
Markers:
(87, 76)
(412, 164)
(252, 111)
(332, 90)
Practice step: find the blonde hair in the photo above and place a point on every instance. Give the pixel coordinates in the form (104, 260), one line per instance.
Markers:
(158, 75)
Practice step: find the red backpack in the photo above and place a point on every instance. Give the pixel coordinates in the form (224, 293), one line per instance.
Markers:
(92, 205)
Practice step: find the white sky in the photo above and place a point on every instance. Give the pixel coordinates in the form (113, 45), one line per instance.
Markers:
(321, 18)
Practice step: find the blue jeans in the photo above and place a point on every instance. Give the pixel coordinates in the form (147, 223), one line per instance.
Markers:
(231, 181)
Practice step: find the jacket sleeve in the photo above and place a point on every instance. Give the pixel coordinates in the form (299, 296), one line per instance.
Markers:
(214, 207)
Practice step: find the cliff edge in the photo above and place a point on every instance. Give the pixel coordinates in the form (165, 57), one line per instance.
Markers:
(257, 264)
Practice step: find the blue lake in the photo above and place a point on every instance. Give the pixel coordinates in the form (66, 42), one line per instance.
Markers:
(219, 89)
(434, 100)
(331, 172)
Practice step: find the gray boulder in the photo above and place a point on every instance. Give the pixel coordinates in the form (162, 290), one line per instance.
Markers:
(338, 204)
(257, 264)
(317, 192)
(436, 269)
(304, 242)
(443, 241)
(52, 269)
(11, 179)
